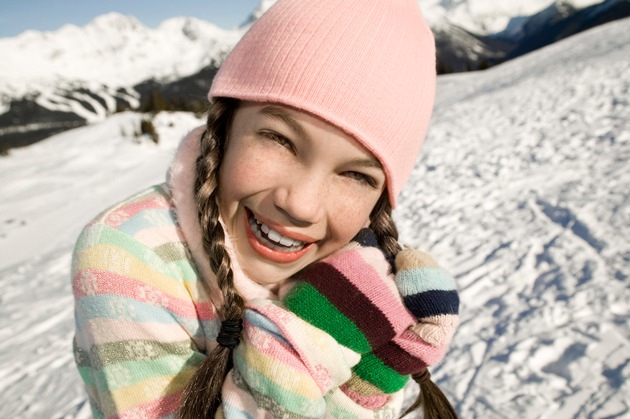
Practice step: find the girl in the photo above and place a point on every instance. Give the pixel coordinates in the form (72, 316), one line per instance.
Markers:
(247, 286)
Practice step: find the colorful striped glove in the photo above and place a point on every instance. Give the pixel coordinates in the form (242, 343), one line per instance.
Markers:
(399, 325)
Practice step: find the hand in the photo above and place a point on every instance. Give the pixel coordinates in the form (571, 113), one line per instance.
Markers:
(353, 296)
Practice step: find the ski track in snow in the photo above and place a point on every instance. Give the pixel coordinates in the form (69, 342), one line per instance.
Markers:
(521, 192)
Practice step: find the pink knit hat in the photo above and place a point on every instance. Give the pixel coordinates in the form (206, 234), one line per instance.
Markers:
(366, 66)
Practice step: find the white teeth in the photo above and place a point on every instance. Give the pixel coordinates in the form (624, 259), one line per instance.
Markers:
(286, 241)
(274, 235)
(274, 239)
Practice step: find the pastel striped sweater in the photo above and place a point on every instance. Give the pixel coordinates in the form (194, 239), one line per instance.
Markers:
(143, 320)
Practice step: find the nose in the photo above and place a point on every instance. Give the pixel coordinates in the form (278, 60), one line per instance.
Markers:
(301, 198)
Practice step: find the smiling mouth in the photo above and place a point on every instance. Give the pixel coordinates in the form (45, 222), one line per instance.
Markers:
(271, 238)
(271, 244)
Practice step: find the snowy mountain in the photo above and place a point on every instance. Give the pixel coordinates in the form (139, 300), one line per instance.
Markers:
(50, 81)
(487, 17)
(464, 42)
(521, 192)
(558, 21)
(112, 50)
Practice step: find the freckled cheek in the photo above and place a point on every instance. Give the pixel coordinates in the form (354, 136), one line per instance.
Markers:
(252, 171)
(350, 214)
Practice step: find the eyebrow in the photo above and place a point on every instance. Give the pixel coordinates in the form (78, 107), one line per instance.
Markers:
(371, 162)
(280, 114)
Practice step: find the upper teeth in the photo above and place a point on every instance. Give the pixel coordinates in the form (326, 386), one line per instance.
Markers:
(273, 235)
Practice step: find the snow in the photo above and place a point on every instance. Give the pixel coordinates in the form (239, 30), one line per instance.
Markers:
(49, 191)
(521, 192)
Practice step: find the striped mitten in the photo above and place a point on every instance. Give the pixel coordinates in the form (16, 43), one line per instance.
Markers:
(399, 324)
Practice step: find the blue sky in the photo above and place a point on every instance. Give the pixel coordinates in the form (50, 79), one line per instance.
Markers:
(16, 16)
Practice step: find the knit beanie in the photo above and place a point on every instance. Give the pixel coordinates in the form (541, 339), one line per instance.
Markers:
(365, 66)
(399, 324)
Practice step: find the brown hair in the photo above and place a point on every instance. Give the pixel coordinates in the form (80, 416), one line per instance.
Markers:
(202, 395)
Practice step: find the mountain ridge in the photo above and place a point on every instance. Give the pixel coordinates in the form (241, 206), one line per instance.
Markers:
(76, 76)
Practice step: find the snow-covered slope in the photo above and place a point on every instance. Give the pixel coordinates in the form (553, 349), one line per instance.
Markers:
(49, 190)
(521, 191)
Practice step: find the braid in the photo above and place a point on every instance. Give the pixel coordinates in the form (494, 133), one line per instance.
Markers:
(383, 226)
(202, 395)
(434, 403)
(207, 196)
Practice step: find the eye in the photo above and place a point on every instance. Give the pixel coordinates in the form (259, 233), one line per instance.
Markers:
(362, 178)
(278, 138)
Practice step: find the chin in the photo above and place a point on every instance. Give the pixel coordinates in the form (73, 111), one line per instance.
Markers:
(267, 278)
(269, 274)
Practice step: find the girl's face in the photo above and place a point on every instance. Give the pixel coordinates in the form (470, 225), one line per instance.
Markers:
(293, 189)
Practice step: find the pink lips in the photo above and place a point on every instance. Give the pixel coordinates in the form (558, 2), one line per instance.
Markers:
(275, 255)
